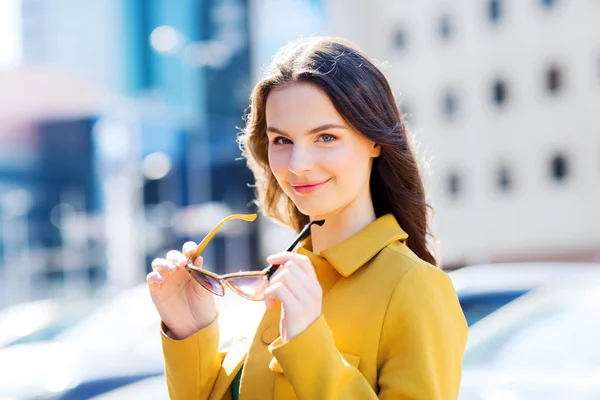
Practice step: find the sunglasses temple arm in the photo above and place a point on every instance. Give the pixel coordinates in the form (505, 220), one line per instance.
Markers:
(213, 232)
(305, 231)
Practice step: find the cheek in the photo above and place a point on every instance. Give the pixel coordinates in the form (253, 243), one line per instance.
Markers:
(347, 163)
(336, 163)
(278, 162)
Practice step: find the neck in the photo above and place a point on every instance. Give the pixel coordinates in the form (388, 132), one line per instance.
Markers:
(342, 223)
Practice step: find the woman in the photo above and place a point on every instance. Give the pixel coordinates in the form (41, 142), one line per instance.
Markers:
(360, 310)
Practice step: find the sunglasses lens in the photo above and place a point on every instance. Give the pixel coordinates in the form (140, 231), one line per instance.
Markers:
(249, 287)
(208, 282)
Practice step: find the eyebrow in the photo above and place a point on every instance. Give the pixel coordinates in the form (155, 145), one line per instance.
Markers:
(312, 131)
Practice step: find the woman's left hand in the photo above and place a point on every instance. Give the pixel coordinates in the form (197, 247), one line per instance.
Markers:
(296, 286)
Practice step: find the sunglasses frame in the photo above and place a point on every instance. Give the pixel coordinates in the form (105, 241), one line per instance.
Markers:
(223, 280)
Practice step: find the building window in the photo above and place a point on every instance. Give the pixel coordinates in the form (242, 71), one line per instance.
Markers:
(554, 80)
(494, 10)
(445, 27)
(499, 92)
(504, 179)
(450, 104)
(548, 3)
(454, 184)
(400, 39)
(559, 168)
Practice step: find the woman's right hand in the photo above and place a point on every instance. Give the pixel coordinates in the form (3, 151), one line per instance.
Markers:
(183, 304)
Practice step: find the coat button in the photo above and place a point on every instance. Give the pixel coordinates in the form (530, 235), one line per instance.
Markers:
(269, 335)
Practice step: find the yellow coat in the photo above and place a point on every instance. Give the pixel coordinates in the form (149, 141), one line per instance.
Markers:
(391, 328)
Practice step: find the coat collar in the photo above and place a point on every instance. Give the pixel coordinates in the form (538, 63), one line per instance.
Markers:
(345, 257)
(351, 254)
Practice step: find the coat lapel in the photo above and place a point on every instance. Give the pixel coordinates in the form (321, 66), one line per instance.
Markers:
(233, 361)
(237, 353)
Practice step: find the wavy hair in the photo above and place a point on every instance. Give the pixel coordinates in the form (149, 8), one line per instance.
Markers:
(362, 96)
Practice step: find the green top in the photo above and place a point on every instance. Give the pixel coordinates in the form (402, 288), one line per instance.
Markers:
(235, 385)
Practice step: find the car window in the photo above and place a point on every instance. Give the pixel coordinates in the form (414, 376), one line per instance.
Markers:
(477, 306)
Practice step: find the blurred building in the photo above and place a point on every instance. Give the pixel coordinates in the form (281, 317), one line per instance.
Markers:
(122, 117)
(190, 60)
(502, 96)
(46, 161)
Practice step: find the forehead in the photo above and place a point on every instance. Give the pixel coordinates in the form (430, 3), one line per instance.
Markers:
(300, 105)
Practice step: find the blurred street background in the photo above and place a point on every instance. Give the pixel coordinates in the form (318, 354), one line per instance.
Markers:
(118, 124)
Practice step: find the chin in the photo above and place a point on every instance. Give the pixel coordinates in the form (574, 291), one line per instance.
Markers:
(314, 209)
(316, 205)
(320, 210)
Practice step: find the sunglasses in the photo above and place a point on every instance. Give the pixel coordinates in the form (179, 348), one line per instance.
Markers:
(250, 285)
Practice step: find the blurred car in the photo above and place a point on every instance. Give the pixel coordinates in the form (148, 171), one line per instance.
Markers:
(543, 345)
(117, 344)
(40, 320)
(482, 289)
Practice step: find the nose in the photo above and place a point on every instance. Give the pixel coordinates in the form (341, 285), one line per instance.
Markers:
(301, 160)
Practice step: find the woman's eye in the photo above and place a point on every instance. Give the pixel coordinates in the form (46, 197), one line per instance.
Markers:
(281, 140)
(327, 138)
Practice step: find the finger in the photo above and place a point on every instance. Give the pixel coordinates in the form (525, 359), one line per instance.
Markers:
(198, 262)
(300, 259)
(270, 294)
(303, 286)
(269, 298)
(176, 258)
(163, 266)
(283, 294)
(154, 277)
(307, 292)
(309, 282)
(189, 248)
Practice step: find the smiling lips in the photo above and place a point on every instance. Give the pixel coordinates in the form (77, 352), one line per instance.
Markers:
(308, 187)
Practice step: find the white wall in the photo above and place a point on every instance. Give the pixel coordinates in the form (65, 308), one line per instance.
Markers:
(538, 217)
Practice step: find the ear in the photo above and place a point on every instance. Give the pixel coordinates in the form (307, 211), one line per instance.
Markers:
(375, 150)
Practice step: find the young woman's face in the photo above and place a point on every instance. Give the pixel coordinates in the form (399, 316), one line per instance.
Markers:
(319, 161)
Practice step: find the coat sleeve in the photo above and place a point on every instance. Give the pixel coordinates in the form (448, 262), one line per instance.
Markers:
(420, 351)
(192, 364)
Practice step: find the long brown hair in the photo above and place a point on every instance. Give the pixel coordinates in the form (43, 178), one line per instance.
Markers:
(362, 96)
